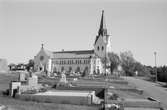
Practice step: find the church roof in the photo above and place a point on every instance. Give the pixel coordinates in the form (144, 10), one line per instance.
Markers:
(48, 53)
(76, 52)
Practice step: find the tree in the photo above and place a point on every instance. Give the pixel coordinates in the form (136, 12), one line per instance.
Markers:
(114, 61)
(141, 69)
(162, 73)
(12, 66)
(128, 63)
(30, 65)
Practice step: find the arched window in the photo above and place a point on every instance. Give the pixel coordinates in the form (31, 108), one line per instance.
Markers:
(77, 69)
(62, 68)
(98, 48)
(70, 69)
(102, 48)
(85, 72)
(54, 70)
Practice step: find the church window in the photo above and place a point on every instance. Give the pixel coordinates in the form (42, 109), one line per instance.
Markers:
(77, 70)
(62, 69)
(102, 48)
(98, 48)
(70, 69)
(41, 58)
(86, 61)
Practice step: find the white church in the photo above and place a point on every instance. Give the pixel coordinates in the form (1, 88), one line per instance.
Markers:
(79, 61)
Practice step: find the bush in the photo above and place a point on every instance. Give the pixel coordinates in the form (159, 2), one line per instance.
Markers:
(6, 92)
(114, 97)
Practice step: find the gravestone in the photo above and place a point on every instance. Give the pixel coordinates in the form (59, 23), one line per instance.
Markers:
(63, 78)
(63, 81)
(22, 76)
(33, 80)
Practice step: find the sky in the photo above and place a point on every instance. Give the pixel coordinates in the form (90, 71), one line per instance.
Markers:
(136, 25)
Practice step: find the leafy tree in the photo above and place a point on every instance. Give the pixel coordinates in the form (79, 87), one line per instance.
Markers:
(162, 73)
(128, 63)
(12, 66)
(114, 61)
(141, 69)
(30, 65)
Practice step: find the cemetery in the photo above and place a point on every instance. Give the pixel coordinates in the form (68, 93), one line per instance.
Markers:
(109, 94)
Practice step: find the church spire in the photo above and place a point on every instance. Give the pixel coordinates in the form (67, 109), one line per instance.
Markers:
(102, 29)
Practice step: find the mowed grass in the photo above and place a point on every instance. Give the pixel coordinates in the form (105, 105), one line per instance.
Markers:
(15, 104)
(6, 78)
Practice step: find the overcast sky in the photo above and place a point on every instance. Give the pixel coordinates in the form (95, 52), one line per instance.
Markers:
(136, 25)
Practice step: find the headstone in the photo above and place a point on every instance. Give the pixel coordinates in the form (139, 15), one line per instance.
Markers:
(22, 76)
(13, 86)
(63, 78)
(33, 80)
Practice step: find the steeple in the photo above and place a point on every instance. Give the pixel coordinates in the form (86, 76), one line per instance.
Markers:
(102, 29)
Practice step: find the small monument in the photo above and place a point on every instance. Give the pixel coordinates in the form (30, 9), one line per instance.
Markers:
(22, 76)
(32, 79)
(63, 78)
(63, 81)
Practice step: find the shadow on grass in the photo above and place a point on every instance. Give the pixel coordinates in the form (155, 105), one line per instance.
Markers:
(164, 86)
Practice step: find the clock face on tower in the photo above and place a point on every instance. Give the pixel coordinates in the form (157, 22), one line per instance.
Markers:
(41, 58)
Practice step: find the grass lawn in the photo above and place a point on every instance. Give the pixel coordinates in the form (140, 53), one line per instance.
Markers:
(15, 104)
(5, 80)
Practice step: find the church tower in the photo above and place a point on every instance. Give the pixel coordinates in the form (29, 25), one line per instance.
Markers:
(102, 44)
